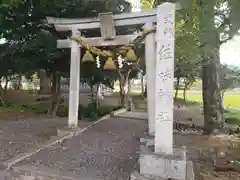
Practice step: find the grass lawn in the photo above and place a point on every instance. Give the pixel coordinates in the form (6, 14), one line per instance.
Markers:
(231, 116)
(232, 101)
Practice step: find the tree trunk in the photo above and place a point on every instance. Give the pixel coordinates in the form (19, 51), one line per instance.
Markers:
(177, 87)
(211, 97)
(185, 89)
(55, 93)
(145, 92)
(92, 93)
(142, 85)
(122, 89)
(45, 84)
(122, 94)
(1, 92)
(5, 87)
(19, 84)
(129, 86)
(210, 46)
(58, 95)
(222, 108)
(98, 96)
(129, 98)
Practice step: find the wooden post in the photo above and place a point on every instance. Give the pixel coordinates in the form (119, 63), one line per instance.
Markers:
(150, 61)
(74, 83)
(164, 78)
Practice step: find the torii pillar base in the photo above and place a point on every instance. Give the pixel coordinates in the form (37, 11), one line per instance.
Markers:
(160, 166)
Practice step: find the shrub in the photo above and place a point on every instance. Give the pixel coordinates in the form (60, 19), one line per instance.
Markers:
(89, 112)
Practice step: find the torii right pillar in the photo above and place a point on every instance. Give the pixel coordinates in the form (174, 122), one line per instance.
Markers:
(158, 158)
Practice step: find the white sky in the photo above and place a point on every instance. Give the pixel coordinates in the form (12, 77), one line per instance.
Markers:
(230, 52)
(2, 41)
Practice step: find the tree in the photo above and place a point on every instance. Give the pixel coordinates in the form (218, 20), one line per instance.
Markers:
(95, 77)
(188, 82)
(221, 19)
(23, 24)
(187, 59)
(146, 4)
(125, 73)
(216, 22)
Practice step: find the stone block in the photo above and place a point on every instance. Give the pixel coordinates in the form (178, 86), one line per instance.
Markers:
(137, 176)
(66, 131)
(166, 166)
(147, 141)
(190, 171)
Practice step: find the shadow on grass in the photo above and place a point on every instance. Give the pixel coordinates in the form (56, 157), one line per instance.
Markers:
(179, 101)
(232, 116)
(141, 103)
(40, 108)
(89, 112)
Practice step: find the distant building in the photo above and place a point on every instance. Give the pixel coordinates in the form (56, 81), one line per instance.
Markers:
(84, 88)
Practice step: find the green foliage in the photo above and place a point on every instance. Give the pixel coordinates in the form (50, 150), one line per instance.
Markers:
(31, 43)
(223, 17)
(187, 37)
(146, 4)
(92, 75)
(35, 108)
(89, 112)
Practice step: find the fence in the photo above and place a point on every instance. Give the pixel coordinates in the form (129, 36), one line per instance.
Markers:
(84, 88)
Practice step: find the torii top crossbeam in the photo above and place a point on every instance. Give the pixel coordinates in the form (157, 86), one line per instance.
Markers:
(124, 19)
(119, 20)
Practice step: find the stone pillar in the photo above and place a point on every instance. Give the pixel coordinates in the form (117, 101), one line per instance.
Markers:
(150, 61)
(158, 159)
(74, 83)
(165, 37)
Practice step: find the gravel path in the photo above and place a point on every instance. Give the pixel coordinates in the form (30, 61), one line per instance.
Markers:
(18, 136)
(105, 151)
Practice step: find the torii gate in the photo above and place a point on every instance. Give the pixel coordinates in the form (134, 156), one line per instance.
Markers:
(159, 53)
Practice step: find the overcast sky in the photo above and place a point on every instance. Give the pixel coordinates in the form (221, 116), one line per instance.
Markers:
(230, 52)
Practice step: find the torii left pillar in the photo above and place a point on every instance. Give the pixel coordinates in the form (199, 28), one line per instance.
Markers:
(74, 82)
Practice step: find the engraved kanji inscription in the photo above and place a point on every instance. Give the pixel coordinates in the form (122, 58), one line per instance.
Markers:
(168, 19)
(165, 75)
(165, 93)
(163, 116)
(168, 32)
(165, 52)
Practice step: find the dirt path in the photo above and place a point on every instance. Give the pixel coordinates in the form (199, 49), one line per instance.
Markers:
(196, 143)
(105, 151)
(19, 136)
